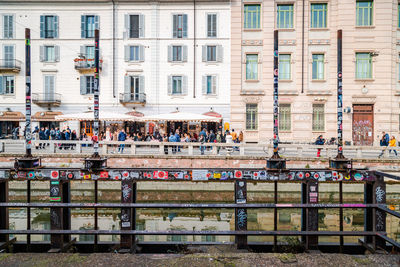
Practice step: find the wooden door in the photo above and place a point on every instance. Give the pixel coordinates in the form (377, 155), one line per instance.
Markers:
(363, 125)
(87, 127)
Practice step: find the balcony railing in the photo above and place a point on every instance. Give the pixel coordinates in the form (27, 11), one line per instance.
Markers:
(10, 65)
(46, 99)
(86, 64)
(135, 98)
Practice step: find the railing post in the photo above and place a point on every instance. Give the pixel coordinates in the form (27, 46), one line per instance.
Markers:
(133, 149)
(104, 148)
(241, 147)
(161, 149)
(51, 147)
(241, 214)
(299, 151)
(309, 216)
(368, 198)
(190, 149)
(3, 210)
(56, 214)
(379, 216)
(128, 215)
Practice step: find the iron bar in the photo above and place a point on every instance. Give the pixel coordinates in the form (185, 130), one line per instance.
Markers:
(339, 96)
(276, 104)
(28, 213)
(96, 226)
(28, 132)
(275, 213)
(96, 108)
(341, 215)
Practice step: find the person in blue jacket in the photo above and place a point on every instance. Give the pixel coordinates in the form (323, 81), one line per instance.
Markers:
(384, 142)
(121, 137)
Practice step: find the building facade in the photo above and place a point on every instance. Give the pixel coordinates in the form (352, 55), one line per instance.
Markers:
(308, 69)
(156, 56)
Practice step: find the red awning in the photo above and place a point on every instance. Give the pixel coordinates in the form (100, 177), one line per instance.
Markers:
(213, 114)
(135, 113)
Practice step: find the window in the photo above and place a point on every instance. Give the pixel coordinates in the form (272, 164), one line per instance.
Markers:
(319, 15)
(7, 85)
(364, 13)
(318, 117)
(284, 117)
(284, 67)
(8, 26)
(48, 26)
(89, 23)
(179, 27)
(212, 25)
(134, 88)
(252, 16)
(89, 55)
(212, 53)
(176, 85)
(49, 53)
(398, 15)
(134, 25)
(9, 56)
(87, 85)
(285, 17)
(363, 66)
(134, 53)
(209, 85)
(251, 67)
(318, 66)
(251, 117)
(176, 53)
(49, 87)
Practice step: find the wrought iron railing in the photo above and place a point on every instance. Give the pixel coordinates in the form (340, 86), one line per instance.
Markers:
(43, 98)
(132, 98)
(10, 64)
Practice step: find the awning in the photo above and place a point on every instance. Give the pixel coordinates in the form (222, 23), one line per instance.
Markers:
(46, 115)
(213, 114)
(11, 116)
(103, 116)
(135, 113)
(181, 116)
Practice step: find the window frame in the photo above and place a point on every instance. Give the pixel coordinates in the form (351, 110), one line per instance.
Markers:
(318, 122)
(213, 56)
(357, 77)
(173, 78)
(12, 28)
(290, 66)
(130, 26)
(131, 53)
(372, 17)
(312, 26)
(180, 32)
(216, 25)
(285, 12)
(213, 77)
(252, 111)
(285, 123)
(318, 61)
(88, 91)
(257, 66)
(46, 59)
(4, 77)
(246, 26)
(47, 25)
(179, 54)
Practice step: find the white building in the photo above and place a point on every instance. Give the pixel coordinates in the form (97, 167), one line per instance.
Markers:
(156, 57)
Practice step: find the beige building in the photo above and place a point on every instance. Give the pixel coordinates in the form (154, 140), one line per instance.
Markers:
(308, 68)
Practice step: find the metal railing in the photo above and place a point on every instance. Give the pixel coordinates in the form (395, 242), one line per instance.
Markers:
(126, 98)
(46, 99)
(10, 64)
(86, 64)
(374, 206)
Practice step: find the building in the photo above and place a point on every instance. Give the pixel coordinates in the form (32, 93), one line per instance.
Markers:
(156, 56)
(308, 68)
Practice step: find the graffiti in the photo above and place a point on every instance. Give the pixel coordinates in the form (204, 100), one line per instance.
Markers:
(380, 194)
(54, 191)
(55, 218)
(362, 132)
(380, 221)
(125, 218)
(241, 218)
(126, 192)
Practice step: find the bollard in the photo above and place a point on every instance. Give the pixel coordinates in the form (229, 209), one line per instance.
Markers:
(128, 216)
(309, 216)
(241, 214)
(3, 210)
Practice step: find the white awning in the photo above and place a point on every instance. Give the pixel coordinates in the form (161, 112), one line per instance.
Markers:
(103, 116)
(181, 116)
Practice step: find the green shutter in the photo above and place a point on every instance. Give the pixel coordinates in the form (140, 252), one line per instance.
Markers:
(42, 26)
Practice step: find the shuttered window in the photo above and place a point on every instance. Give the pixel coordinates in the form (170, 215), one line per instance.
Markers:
(49, 26)
(89, 23)
(251, 116)
(177, 85)
(364, 13)
(318, 117)
(7, 85)
(49, 86)
(252, 16)
(285, 16)
(212, 53)
(209, 86)
(284, 117)
(8, 26)
(212, 25)
(87, 85)
(179, 26)
(319, 15)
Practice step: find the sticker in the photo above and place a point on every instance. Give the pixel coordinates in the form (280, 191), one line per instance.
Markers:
(315, 194)
(199, 175)
(54, 175)
(70, 175)
(238, 174)
(31, 175)
(86, 176)
(63, 174)
(125, 175)
(103, 174)
(300, 175)
(177, 175)
(160, 175)
(21, 174)
(358, 177)
(247, 175)
(125, 224)
(55, 198)
(217, 175)
(134, 175)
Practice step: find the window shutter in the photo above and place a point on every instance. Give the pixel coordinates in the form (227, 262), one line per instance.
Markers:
(184, 85)
(41, 53)
(55, 26)
(56, 53)
(184, 53)
(141, 26)
(46, 85)
(215, 25)
(96, 22)
(204, 53)
(83, 85)
(220, 53)
(174, 26)
(204, 85)
(83, 26)
(41, 26)
(214, 84)
(170, 53)
(184, 26)
(51, 85)
(141, 84)
(127, 26)
(83, 50)
(170, 85)
(127, 50)
(126, 84)
(1, 86)
(6, 28)
(141, 53)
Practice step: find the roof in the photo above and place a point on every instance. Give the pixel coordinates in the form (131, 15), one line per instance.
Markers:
(181, 116)
(89, 116)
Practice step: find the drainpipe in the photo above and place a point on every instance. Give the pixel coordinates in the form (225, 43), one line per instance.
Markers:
(302, 53)
(194, 48)
(113, 49)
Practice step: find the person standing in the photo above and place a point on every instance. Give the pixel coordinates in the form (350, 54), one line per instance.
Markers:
(234, 136)
(384, 142)
(392, 145)
(121, 138)
(320, 141)
(172, 139)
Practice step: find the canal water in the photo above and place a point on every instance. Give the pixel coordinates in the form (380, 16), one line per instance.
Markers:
(198, 219)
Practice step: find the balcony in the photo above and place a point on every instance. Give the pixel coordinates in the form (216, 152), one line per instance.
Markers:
(10, 65)
(136, 98)
(86, 65)
(50, 100)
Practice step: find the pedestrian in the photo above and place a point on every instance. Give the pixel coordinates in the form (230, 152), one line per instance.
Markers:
(121, 138)
(52, 133)
(392, 144)
(218, 139)
(202, 140)
(320, 141)
(42, 136)
(172, 138)
(165, 139)
(234, 136)
(384, 142)
(241, 137)
(15, 133)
